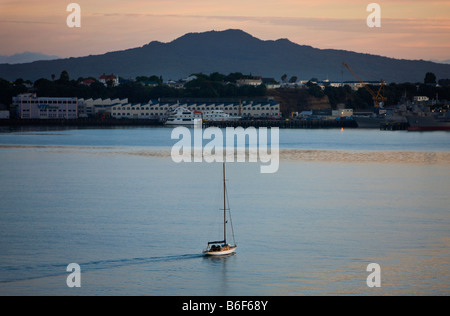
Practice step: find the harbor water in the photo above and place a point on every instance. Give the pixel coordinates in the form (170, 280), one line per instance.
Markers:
(114, 202)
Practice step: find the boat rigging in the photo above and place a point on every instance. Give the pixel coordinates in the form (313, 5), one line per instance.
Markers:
(220, 248)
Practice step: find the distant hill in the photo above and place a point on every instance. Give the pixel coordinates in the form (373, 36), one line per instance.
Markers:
(230, 51)
(26, 57)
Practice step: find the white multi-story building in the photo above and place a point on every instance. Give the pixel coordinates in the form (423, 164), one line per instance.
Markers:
(139, 111)
(29, 106)
(94, 107)
(158, 110)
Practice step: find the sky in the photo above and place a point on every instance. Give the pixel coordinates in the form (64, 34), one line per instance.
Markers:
(414, 29)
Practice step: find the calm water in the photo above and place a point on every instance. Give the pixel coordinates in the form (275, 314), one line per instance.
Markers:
(136, 223)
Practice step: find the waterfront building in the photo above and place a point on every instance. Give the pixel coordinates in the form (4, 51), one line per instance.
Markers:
(98, 107)
(159, 109)
(29, 106)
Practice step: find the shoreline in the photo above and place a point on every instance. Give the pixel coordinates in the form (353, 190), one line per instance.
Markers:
(90, 122)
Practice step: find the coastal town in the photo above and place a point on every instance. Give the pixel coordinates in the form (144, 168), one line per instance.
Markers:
(250, 101)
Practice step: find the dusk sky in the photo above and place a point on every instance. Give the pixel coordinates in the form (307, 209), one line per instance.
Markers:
(414, 29)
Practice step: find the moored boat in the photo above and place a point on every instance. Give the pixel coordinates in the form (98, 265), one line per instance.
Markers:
(183, 116)
(373, 121)
(430, 122)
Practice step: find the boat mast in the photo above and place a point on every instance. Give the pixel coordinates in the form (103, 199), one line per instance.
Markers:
(224, 207)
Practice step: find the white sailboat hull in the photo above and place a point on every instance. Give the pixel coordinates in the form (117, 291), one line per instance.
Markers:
(221, 252)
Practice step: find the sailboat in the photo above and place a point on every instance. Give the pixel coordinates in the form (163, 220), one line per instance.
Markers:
(221, 248)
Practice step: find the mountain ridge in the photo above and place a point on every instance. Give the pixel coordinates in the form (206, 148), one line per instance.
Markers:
(25, 57)
(231, 51)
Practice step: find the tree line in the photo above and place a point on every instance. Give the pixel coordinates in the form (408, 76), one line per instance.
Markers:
(215, 85)
(395, 93)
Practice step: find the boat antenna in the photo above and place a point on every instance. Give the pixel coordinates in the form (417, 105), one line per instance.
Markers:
(224, 207)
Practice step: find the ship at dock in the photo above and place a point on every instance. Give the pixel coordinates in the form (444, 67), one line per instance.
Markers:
(382, 117)
(429, 122)
(369, 121)
(183, 116)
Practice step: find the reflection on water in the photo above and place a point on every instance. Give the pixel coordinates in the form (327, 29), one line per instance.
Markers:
(390, 157)
(422, 271)
(218, 272)
(310, 155)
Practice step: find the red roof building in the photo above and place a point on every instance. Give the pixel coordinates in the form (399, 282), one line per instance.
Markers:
(109, 78)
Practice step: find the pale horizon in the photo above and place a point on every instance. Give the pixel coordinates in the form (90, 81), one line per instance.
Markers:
(417, 29)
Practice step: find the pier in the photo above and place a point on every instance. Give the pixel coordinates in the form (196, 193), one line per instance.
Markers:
(88, 122)
(306, 124)
(394, 126)
(285, 124)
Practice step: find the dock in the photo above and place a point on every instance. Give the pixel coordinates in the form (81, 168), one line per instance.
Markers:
(283, 124)
(81, 122)
(394, 126)
(306, 124)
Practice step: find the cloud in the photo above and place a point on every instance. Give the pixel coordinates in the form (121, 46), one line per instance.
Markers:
(390, 25)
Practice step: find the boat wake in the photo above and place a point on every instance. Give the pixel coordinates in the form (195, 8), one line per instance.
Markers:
(10, 274)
